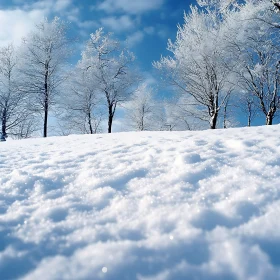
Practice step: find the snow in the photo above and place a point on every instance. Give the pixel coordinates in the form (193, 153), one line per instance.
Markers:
(151, 205)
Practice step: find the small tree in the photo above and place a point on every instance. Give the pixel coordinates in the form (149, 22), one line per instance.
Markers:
(185, 114)
(141, 108)
(81, 110)
(45, 51)
(110, 67)
(247, 103)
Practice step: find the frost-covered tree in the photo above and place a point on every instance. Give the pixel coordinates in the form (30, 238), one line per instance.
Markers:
(185, 114)
(197, 66)
(111, 67)
(81, 111)
(248, 106)
(45, 52)
(13, 101)
(255, 45)
(141, 109)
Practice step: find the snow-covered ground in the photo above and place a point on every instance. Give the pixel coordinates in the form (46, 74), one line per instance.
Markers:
(153, 205)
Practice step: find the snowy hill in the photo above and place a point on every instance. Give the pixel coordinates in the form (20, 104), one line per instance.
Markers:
(147, 206)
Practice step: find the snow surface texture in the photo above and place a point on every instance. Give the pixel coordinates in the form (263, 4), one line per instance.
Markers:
(163, 205)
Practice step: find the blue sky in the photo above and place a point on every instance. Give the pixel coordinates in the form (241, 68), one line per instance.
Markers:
(145, 24)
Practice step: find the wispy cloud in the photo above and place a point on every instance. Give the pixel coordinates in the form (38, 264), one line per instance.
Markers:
(130, 6)
(118, 24)
(150, 30)
(135, 38)
(88, 24)
(55, 6)
(62, 5)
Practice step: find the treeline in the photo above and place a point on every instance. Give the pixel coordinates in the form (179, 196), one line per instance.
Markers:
(224, 65)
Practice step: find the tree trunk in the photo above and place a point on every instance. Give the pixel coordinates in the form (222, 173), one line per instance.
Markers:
(225, 117)
(249, 121)
(110, 118)
(213, 109)
(89, 123)
(142, 124)
(269, 119)
(213, 120)
(46, 102)
(270, 114)
(4, 123)
(46, 119)
(249, 114)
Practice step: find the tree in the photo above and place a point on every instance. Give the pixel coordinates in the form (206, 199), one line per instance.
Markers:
(45, 51)
(198, 66)
(255, 46)
(229, 112)
(81, 110)
(141, 108)
(110, 66)
(248, 105)
(13, 101)
(185, 114)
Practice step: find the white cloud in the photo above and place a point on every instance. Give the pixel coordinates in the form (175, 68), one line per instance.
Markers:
(21, 20)
(150, 30)
(149, 79)
(19, 24)
(46, 5)
(62, 5)
(57, 8)
(88, 24)
(135, 38)
(72, 14)
(130, 6)
(118, 24)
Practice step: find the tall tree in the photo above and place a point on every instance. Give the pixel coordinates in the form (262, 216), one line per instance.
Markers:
(45, 52)
(255, 45)
(197, 66)
(110, 66)
(13, 110)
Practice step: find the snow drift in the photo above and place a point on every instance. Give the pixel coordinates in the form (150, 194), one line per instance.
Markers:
(153, 205)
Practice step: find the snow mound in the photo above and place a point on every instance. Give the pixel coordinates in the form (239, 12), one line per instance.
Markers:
(146, 206)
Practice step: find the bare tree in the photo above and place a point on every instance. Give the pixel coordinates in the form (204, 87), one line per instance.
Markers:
(185, 114)
(248, 105)
(45, 51)
(13, 101)
(230, 112)
(197, 67)
(263, 80)
(26, 128)
(141, 108)
(82, 112)
(110, 66)
(256, 46)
